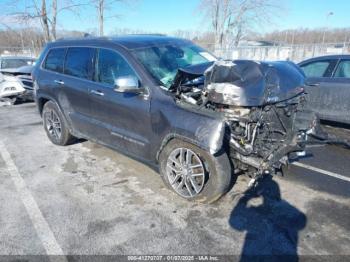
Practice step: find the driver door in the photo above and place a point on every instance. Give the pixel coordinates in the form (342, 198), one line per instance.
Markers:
(122, 120)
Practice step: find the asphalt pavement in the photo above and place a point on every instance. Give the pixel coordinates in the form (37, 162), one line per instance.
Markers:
(85, 199)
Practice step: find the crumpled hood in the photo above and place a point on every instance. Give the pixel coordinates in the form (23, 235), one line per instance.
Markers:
(245, 82)
(250, 83)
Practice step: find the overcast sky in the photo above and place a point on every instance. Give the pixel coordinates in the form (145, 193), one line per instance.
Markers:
(171, 15)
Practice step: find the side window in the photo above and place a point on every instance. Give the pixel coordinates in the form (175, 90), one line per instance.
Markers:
(54, 60)
(316, 69)
(111, 65)
(343, 69)
(79, 62)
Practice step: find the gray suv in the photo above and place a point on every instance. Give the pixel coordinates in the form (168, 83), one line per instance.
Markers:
(174, 106)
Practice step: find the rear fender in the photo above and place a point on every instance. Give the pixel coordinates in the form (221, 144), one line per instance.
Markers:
(40, 107)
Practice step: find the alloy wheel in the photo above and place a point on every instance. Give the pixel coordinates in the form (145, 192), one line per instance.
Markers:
(185, 171)
(53, 124)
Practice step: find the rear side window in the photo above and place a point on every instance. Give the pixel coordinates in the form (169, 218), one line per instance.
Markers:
(343, 69)
(55, 59)
(79, 62)
(111, 65)
(316, 69)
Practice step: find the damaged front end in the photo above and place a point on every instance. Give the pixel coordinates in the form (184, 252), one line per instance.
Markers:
(261, 104)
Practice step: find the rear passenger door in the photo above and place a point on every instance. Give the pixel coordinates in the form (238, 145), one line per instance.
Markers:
(122, 119)
(74, 85)
(320, 85)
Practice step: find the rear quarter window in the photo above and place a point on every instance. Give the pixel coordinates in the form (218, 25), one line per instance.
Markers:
(55, 60)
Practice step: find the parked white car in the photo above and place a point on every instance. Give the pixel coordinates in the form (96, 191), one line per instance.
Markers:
(15, 78)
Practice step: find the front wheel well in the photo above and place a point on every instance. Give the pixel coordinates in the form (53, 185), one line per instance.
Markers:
(171, 137)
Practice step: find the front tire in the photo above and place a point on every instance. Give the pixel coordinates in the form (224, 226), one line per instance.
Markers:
(55, 125)
(194, 173)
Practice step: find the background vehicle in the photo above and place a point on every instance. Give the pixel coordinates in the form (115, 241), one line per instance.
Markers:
(166, 102)
(7, 62)
(16, 83)
(15, 78)
(328, 79)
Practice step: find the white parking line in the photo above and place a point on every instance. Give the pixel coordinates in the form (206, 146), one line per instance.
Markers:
(40, 224)
(325, 172)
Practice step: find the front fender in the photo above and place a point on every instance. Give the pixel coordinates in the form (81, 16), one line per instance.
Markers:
(206, 132)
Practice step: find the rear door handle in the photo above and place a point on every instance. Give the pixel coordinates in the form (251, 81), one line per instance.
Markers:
(96, 92)
(60, 82)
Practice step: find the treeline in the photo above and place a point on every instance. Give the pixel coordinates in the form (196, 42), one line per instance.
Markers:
(33, 38)
(12, 40)
(29, 37)
(307, 36)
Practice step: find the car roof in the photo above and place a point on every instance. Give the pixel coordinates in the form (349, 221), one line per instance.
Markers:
(126, 41)
(326, 57)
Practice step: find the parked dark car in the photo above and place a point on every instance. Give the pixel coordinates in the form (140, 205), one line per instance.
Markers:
(328, 79)
(170, 104)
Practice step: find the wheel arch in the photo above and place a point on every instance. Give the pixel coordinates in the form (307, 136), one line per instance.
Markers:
(205, 146)
(43, 99)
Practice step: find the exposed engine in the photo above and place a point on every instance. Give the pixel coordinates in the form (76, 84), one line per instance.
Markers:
(262, 104)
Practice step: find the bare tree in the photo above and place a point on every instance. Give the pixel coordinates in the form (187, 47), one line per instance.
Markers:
(234, 17)
(37, 10)
(45, 20)
(101, 7)
(54, 19)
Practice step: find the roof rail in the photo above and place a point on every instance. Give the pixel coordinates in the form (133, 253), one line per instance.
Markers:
(88, 36)
(141, 34)
(85, 35)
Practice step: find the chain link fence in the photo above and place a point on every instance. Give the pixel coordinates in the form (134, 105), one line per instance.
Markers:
(294, 53)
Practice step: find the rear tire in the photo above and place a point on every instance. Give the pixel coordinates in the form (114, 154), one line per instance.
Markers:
(55, 125)
(181, 166)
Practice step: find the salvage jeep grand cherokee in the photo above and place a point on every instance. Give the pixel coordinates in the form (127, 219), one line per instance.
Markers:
(173, 105)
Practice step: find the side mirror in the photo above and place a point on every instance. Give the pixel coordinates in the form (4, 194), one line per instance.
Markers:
(127, 84)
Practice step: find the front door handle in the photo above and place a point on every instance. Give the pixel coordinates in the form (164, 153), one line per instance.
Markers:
(60, 82)
(96, 92)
